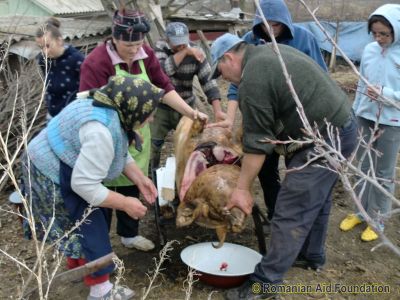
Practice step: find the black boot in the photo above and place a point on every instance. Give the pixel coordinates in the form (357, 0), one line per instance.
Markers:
(302, 262)
(249, 290)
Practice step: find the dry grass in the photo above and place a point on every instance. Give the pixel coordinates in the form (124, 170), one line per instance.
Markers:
(346, 79)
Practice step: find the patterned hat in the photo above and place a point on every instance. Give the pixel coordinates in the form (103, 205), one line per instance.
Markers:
(133, 98)
(129, 25)
(177, 33)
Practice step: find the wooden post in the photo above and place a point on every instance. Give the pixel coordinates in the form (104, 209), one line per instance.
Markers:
(204, 43)
(332, 61)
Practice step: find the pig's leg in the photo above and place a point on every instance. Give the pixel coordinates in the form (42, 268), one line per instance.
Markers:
(188, 215)
(184, 215)
(201, 210)
(221, 233)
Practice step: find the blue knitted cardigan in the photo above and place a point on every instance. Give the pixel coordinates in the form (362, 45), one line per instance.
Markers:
(60, 139)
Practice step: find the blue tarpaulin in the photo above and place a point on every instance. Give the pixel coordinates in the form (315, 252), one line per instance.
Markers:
(353, 37)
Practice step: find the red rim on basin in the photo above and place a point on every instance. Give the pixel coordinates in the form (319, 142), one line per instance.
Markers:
(226, 267)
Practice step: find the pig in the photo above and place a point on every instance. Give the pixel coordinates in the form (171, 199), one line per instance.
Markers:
(207, 169)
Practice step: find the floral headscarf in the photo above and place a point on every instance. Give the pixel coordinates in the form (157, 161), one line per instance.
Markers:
(133, 98)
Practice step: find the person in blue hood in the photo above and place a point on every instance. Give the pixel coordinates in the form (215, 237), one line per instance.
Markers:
(278, 16)
(285, 32)
(380, 64)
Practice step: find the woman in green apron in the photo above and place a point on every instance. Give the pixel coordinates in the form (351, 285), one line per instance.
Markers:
(126, 54)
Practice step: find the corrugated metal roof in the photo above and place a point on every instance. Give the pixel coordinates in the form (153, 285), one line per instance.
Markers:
(16, 28)
(59, 7)
(27, 49)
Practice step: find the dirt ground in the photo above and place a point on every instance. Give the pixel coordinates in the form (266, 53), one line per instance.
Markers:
(349, 260)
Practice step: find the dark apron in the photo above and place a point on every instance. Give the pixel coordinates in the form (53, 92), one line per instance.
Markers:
(94, 232)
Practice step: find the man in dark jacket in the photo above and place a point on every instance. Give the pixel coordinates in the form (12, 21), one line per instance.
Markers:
(300, 220)
(285, 32)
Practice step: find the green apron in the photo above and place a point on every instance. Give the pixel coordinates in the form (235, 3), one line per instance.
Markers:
(142, 159)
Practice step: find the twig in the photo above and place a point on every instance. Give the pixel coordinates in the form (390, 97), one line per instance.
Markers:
(189, 281)
(164, 255)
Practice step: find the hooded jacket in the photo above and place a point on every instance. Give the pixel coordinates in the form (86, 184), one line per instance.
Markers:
(381, 67)
(292, 35)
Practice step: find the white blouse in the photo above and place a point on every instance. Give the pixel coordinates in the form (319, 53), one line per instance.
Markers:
(93, 163)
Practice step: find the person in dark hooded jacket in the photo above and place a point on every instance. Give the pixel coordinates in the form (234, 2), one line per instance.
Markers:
(279, 19)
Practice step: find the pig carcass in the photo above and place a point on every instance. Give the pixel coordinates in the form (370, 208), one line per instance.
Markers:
(207, 169)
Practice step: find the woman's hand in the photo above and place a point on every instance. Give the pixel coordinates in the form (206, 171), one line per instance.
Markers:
(134, 208)
(144, 184)
(175, 101)
(199, 115)
(131, 205)
(372, 92)
(148, 189)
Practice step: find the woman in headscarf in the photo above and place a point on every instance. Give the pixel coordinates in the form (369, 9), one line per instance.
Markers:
(85, 144)
(125, 53)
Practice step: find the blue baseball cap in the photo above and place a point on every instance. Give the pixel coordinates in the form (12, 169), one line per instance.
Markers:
(177, 33)
(221, 45)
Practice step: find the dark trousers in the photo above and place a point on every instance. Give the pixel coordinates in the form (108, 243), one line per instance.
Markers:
(93, 233)
(270, 182)
(300, 220)
(126, 226)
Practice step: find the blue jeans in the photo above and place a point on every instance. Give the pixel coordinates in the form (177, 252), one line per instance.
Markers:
(300, 221)
(384, 166)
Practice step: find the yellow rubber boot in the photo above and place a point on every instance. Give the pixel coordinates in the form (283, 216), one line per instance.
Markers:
(350, 222)
(369, 235)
